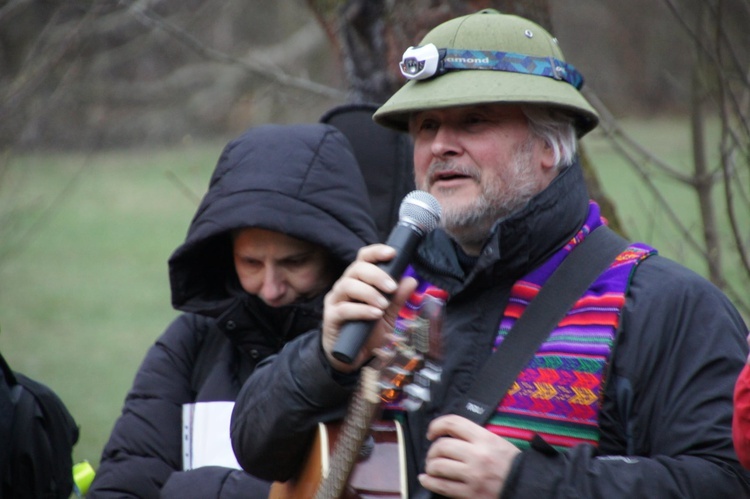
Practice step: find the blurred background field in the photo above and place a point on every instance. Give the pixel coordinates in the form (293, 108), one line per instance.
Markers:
(85, 289)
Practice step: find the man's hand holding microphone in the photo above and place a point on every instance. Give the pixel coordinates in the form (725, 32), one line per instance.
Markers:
(361, 309)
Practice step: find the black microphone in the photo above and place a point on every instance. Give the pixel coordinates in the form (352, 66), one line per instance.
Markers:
(418, 214)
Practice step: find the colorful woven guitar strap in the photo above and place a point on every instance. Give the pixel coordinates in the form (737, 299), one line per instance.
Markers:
(558, 395)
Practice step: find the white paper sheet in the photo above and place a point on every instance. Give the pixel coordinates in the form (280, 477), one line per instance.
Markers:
(205, 435)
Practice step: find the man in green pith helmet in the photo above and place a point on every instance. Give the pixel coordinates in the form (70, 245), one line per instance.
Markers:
(629, 394)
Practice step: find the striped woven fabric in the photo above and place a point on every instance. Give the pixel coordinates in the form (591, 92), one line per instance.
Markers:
(558, 394)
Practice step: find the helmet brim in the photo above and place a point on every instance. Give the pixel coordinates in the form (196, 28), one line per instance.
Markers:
(471, 87)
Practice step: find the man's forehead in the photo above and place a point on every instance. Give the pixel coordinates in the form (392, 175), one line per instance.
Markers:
(493, 108)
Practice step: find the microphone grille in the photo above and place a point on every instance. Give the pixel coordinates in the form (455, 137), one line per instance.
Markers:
(420, 209)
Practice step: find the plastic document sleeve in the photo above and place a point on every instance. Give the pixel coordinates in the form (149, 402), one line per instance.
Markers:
(205, 435)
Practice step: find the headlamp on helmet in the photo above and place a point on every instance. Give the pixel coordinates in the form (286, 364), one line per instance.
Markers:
(420, 63)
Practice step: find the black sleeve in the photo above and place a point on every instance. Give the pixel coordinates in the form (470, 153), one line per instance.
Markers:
(214, 481)
(276, 413)
(145, 445)
(680, 349)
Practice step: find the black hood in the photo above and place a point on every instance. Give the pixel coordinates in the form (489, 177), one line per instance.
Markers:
(301, 180)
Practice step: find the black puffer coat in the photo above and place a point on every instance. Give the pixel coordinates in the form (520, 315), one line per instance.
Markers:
(667, 410)
(301, 180)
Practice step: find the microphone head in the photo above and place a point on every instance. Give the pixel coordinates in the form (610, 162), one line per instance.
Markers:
(421, 210)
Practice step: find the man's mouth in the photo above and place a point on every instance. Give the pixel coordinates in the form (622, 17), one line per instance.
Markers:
(445, 176)
(449, 176)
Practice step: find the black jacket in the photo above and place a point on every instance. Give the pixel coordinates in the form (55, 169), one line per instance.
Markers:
(301, 180)
(667, 403)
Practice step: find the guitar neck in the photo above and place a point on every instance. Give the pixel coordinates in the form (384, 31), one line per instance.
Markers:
(356, 427)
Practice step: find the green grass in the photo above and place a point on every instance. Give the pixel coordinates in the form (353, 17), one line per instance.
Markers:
(84, 242)
(84, 288)
(642, 216)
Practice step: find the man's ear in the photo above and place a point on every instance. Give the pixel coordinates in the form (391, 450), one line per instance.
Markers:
(547, 156)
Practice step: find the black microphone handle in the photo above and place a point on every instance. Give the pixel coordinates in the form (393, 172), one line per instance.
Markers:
(353, 334)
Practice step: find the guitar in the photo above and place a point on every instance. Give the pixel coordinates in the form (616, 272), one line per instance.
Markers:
(362, 457)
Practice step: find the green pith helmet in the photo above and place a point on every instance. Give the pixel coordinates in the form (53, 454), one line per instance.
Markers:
(487, 57)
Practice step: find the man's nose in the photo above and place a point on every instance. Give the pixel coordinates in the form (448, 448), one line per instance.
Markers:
(446, 142)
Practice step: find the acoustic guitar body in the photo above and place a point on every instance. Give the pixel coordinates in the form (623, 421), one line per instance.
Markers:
(306, 484)
(379, 473)
(363, 457)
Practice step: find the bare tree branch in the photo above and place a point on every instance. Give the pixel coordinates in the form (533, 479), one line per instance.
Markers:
(10, 7)
(623, 143)
(44, 57)
(263, 69)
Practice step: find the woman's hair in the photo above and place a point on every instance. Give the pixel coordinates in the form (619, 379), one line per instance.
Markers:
(555, 127)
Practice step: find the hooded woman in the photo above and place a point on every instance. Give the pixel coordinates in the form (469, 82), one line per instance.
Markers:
(285, 212)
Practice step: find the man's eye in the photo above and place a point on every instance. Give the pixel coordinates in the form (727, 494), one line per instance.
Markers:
(475, 118)
(427, 125)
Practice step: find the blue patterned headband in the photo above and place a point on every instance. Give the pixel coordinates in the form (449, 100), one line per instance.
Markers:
(420, 63)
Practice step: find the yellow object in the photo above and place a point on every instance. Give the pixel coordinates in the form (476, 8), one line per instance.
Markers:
(83, 475)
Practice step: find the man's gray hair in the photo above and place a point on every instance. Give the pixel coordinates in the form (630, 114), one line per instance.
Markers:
(555, 127)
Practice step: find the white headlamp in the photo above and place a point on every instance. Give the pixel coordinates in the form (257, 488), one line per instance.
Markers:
(420, 63)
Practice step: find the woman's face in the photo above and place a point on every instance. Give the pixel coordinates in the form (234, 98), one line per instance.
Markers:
(278, 268)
